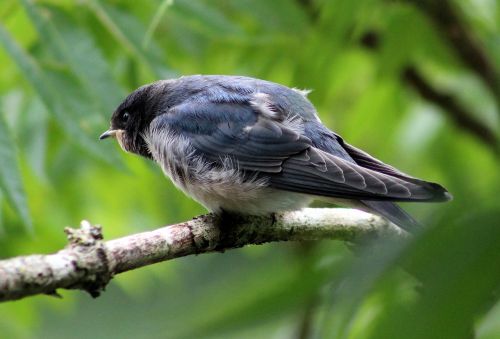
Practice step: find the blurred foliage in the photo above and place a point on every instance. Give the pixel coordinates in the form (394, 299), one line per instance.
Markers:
(65, 65)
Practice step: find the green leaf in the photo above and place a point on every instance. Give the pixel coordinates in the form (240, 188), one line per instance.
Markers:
(10, 176)
(129, 32)
(210, 19)
(74, 47)
(156, 21)
(455, 265)
(459, 281)
(272, 292)
(56, 103)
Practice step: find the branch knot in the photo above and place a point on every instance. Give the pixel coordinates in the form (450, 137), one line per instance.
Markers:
(89, 263)
(90, 257)
(86, 235)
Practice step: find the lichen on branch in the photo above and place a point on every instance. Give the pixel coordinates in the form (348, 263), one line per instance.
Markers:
(89, 263)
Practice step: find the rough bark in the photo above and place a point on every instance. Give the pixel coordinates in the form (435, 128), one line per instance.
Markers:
(88, 263)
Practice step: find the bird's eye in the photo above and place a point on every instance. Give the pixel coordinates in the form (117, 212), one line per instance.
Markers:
(125, 116)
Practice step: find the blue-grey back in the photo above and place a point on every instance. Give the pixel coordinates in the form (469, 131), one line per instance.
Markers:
(240, 89)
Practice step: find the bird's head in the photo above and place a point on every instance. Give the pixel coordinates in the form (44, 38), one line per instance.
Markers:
(133, 116)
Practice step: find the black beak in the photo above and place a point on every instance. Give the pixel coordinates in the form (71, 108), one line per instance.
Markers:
(107, 134)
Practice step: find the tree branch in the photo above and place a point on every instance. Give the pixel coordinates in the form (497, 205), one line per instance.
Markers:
(88, 263)
(311, 9)
(449, 22)
(462, 117)
(450, 105)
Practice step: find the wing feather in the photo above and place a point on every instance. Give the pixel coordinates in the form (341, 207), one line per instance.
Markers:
(267, 147)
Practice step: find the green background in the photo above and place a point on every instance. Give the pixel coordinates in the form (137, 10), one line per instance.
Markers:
(66, 64)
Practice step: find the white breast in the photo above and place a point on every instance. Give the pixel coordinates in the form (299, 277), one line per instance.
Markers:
(217, 187)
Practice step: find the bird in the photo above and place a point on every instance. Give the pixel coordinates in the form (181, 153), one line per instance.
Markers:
(247, 146)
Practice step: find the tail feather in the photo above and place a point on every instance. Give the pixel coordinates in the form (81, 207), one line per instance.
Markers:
(393, 213)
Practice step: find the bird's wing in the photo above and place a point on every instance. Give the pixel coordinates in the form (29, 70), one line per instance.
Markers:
(365, 160)
(320, 173)
(221, 130)
(262, 144)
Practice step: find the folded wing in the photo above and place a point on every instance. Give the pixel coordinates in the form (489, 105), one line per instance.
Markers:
(267, 147)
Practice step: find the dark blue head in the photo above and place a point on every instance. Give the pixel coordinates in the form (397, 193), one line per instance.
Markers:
(133, 116)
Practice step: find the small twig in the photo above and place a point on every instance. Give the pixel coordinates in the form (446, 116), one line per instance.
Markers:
(305, 322)
(310, 8)
(88, 263)
(461, 116)
(305, 330)
(452, 27)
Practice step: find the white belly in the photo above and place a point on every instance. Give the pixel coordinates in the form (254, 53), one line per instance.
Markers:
(255, 202)
(221, 187)
(225, 189)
